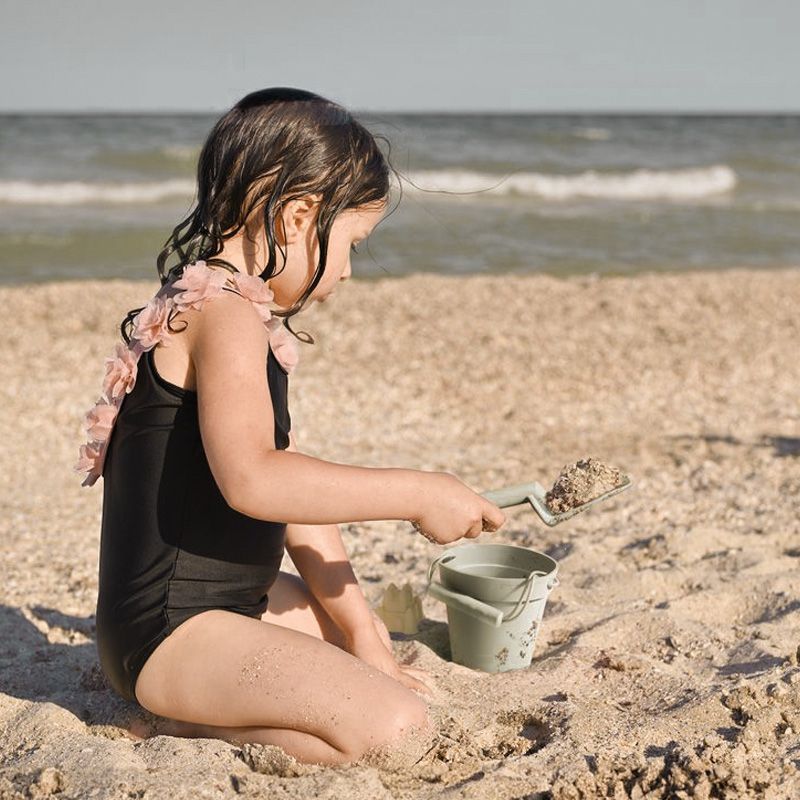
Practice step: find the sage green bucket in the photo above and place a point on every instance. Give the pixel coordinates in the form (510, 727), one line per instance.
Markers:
(495, 596)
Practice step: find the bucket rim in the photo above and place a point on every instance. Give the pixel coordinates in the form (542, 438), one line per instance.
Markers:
(449, 555)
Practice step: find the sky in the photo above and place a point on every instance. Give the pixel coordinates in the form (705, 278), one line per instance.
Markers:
(420, 55)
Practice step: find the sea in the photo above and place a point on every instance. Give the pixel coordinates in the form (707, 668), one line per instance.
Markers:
(97, 195)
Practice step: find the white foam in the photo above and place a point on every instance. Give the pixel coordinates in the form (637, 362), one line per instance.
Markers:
(65, 193)
(592, 134)
(184, 152)
(640, 184)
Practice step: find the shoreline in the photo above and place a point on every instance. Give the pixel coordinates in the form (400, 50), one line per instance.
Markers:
(369, 279)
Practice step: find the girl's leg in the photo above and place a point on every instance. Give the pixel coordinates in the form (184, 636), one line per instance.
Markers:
(242, 679)
(292, 605)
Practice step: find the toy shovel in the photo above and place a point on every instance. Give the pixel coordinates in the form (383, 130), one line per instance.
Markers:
(534, 493)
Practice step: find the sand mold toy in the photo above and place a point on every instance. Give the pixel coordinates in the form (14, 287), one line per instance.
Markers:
(400, 609)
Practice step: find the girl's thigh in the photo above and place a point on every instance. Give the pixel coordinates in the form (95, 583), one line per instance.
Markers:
(226, 670)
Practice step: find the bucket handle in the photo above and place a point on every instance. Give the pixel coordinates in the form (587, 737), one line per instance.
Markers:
(484, 611)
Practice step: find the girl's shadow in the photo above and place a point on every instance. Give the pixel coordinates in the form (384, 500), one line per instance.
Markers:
(432, 634)
(47, 659)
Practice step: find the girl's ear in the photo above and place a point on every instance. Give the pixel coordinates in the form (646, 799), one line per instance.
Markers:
(298, 215)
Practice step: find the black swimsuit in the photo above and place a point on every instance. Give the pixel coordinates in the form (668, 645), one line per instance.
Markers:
(170, 546)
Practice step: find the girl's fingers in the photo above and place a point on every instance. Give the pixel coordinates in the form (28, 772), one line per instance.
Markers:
(420, 673)
(413, 683)
(418, 676)
(493, 518)
(475, 530)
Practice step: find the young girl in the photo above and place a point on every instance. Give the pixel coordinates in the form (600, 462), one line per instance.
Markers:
(203, 484)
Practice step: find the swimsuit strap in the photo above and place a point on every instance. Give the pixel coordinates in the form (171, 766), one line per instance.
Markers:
(198, 284)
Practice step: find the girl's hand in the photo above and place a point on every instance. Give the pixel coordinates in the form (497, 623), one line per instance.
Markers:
(375, 648)
(451, 510)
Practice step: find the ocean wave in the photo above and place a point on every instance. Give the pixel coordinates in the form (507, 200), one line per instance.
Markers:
(639, 184)
(592, 134)
(68, 193)
(181, 152)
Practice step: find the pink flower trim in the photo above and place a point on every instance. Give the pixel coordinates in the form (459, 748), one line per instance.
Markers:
(255, 290)
(283, 344)
(198, 283)
(120, 372)
(99, 421)
(91, 460)
(150, 324)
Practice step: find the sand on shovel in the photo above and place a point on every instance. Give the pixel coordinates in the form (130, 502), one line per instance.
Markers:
(581, 482)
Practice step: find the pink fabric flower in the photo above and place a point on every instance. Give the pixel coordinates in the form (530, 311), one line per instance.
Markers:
(100, 420)
(283, 344)
(198, 284)
(150, 324)
(92, 456)
(120, 372)
(257, 291)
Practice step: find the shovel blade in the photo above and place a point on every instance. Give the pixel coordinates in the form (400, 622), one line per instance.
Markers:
(534, 493)
(537, 500)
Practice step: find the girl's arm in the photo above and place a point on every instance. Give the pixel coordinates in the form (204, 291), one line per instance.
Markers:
(321, 559)
(229, 349)
(319, 554)
(228, 346)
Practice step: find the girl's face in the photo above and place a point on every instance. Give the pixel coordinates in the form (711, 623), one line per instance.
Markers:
(349, 228)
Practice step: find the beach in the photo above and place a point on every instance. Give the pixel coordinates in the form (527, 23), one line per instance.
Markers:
(667, 660)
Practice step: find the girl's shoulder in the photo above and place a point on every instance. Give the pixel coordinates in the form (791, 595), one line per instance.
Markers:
(179, 302)
(201, 284)
(168, 314)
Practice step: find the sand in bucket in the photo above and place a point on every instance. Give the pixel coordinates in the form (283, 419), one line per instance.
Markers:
(495, 596)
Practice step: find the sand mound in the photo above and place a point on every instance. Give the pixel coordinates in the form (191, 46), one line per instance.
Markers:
(581, 482)
(666, 664)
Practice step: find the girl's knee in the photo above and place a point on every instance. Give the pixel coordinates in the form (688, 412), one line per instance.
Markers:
(417, 714)
(411, 716)
(407, 734)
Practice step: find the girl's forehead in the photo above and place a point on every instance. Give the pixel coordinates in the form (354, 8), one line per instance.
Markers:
(375, 213)
(364, 218)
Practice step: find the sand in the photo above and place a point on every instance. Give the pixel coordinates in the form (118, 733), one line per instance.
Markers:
(581, 482)
(666, 664)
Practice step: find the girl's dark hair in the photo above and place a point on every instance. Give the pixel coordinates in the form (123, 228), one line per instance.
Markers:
(273, 146)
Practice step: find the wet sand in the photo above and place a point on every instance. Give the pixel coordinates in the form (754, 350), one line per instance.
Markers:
(667, 661)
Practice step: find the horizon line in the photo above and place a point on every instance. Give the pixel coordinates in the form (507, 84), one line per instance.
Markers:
(420, 112)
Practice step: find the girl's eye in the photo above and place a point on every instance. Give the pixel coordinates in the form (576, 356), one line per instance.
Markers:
(354, 248)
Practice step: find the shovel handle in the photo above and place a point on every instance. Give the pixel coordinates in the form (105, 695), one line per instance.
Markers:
(513, 495)
(463, 602)
(470, 605)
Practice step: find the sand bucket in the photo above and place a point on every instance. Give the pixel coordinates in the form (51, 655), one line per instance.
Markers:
(495, 596)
